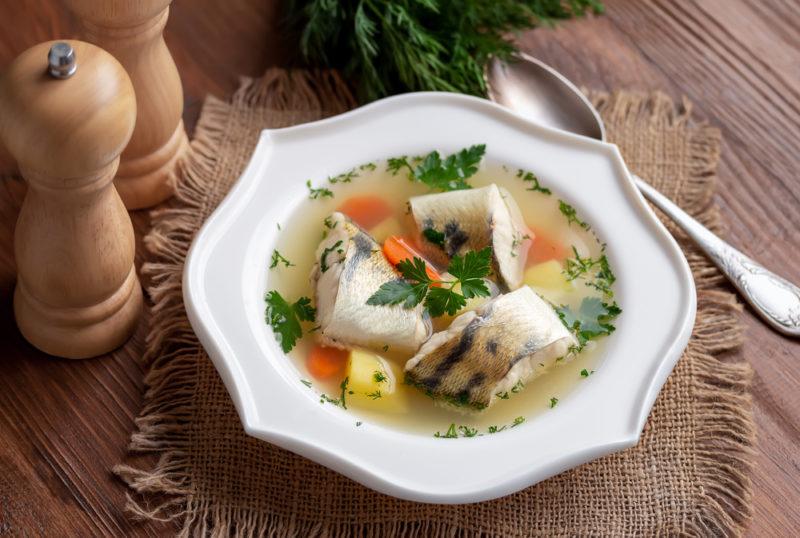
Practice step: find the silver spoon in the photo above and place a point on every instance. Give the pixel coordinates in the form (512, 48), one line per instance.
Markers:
(545, 96)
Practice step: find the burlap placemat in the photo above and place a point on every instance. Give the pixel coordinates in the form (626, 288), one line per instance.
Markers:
(688, 475)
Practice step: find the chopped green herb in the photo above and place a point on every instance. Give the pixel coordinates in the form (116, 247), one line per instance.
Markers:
(466, 431)
(346, 177)
(343, 386)
(553, 402)
(329, 224)
(531, 178)
(278, 224)
(359, 423)
(469, 271)
(503, 395)
(449, 174)
(375, 395)
(593, 319)
(323, 260)
(495, 429)
(306, 382)
(586, 373)
(285, 318)
(368, 166)
(385, 348)
(315, 193)
(596, 272)
(517, 421)
(572, 216)
(434, 236)
(278, 258)
(451, 433)
(518, 386)
(379, 377)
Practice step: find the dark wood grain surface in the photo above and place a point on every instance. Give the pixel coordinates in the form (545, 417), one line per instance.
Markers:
(64, 424)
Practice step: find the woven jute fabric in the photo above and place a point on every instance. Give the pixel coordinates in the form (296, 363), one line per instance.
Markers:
(687, 476)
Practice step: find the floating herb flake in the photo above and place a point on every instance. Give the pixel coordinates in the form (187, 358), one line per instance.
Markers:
(277, 258)
(316, 193)
(517, 421)
(530, 177)
(553, 402)
(572, 216)
(451, 433)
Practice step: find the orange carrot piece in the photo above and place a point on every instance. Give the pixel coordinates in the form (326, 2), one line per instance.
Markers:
(544, 248)
(397, 249)
(367, 211)
(325, 362)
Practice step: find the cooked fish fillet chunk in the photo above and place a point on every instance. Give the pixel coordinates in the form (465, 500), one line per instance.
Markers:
(350, 267)
(471, 220)
(514, 337)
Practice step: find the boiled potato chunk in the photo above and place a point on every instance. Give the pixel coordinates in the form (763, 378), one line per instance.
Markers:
(547, 279)
(373, 382)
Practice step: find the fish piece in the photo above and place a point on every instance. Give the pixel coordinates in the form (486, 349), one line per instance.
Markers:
(472, 219)
(512, 338)
(350, 266)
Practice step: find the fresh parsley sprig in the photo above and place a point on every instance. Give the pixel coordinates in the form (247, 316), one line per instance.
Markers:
(439, 296)
(594, 318)
(285, 318)
(448, 174)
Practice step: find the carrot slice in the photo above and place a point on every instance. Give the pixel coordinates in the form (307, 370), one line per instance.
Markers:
(367, 211)
(397, 249)
(325, 362)
(544, 248)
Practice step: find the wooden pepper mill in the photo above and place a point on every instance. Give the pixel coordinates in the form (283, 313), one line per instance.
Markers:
(131, 30)
(66, 112)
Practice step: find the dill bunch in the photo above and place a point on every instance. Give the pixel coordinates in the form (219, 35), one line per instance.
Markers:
(395, 46)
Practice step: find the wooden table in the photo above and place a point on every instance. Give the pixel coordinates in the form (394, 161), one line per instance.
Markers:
(64, 424)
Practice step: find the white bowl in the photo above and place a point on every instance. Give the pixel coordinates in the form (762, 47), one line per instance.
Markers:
(225, 279)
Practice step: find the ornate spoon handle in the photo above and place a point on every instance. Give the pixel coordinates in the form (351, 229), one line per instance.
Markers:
(774, 298)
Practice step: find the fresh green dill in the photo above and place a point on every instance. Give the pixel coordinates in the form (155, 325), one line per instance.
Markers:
(368, 166)
(495, 429)
(553, 402)
(285, 318)
(530, 177)
(586, 373)
(345, 177)
(396, 46)
(334, 401)
(593, 319)
(306, 382)
(277, 258)
(572, 216)
(379, 377)
(375, 395)
(466, 431)
(323, 259)
(448, 174)
(517, 421)
(315, 193)
(451, 433)
(596, 272)
(343, 386)
(503, 395)
(518, 386)
(439, 296)
(434, 236)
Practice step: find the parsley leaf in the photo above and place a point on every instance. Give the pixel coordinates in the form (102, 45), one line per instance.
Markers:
(470, 270)
(602, 278)
(399, 291)
(593, 319)
(448, 174)
(439, 297)
(323, 263)
(285, 318)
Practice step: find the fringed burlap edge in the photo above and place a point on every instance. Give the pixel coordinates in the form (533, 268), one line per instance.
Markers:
(724, 443)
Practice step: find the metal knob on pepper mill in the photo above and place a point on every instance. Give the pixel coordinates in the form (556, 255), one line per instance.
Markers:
(67, 110)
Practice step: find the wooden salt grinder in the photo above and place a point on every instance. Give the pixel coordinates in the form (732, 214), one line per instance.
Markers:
(66, 112)
(131, 30)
